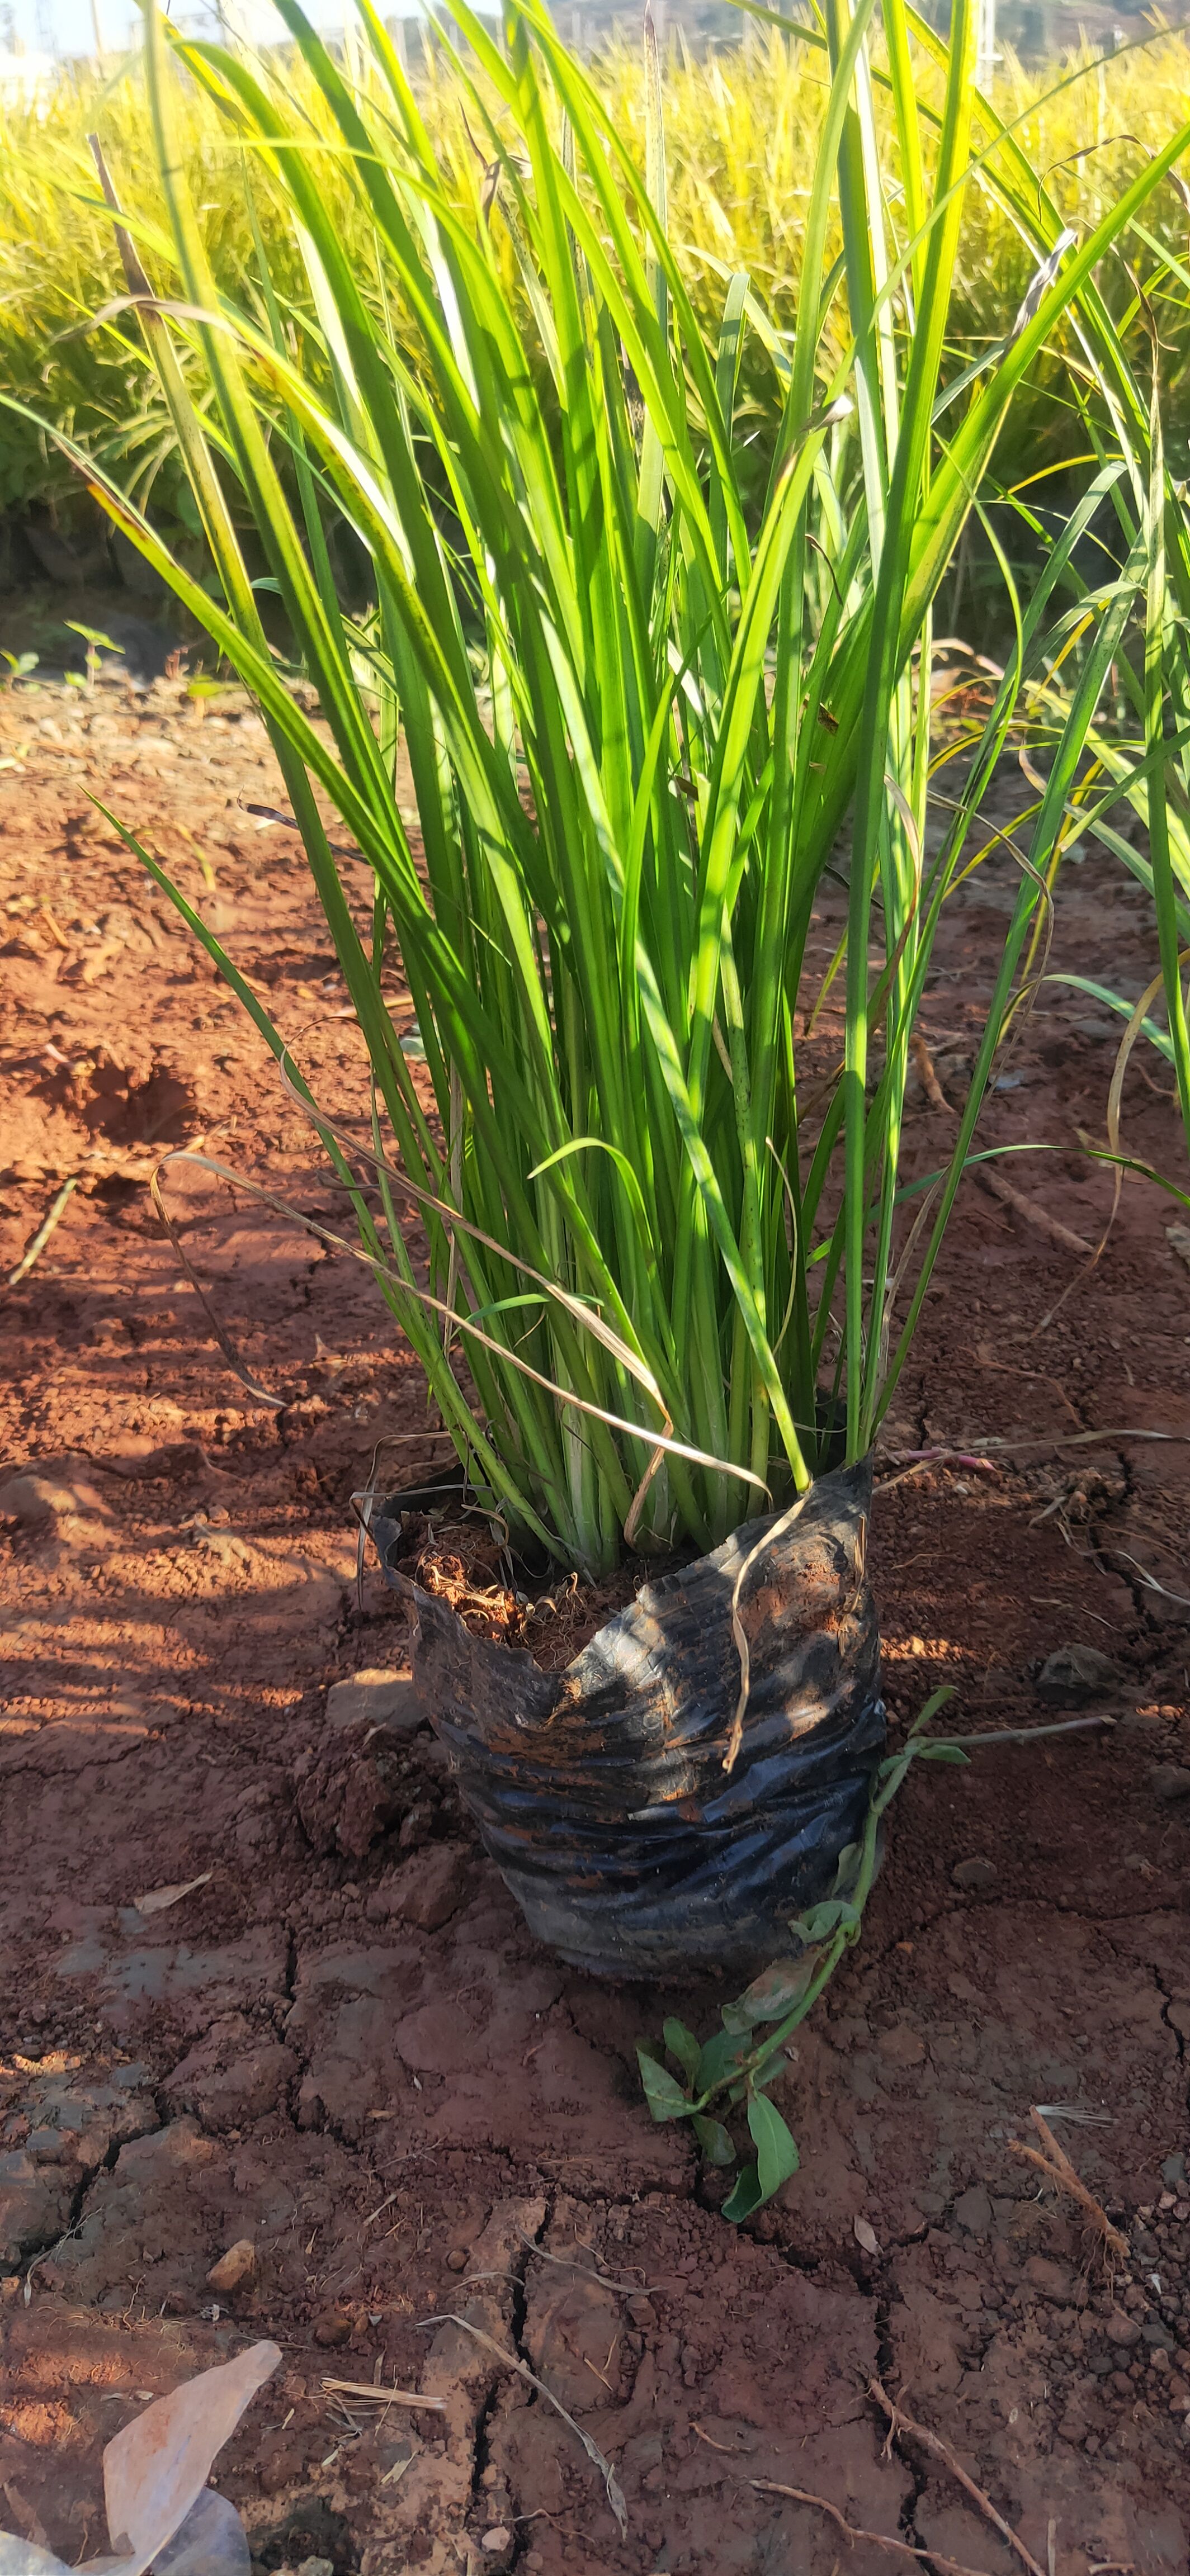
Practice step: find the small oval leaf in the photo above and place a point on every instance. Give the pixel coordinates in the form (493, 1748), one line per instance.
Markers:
(663, 2093)
(776, 2148)
(773, 1993)
(683, 2045)
(724, 2052)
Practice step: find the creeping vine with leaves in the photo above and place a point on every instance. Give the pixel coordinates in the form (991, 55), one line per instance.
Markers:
(737, 2064)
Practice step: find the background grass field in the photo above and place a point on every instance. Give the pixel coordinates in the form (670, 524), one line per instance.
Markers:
(741, 130)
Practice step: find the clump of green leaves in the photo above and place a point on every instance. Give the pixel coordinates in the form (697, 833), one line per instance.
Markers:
(734, 2068)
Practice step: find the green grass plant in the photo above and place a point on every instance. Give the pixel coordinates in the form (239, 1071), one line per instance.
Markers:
(645, 707)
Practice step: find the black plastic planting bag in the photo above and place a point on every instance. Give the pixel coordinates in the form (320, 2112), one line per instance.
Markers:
(601, 1790)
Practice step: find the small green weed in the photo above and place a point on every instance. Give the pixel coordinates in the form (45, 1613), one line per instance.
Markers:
(93, 657)
(732, 2070)
(20, 665)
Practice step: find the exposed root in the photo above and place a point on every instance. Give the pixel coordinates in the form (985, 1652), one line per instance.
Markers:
(877, 2539)
(900, 2423)
(930, 1084)
(1055, 2164)
(1038, 1217)
(615, 2494)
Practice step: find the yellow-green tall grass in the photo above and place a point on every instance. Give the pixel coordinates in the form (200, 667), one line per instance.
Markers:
(742, 131)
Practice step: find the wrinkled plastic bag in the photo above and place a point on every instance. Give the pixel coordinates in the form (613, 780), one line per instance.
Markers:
(634, 1840)
(160, 2511)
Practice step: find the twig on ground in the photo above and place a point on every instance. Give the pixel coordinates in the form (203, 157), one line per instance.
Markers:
(614, 2491)
(927, 1076)
(711, 2443)
(381, 2396)
(42, 1236)
(1038, 1217)
(877, 2539)
(1055, 2164)
(899, 2423)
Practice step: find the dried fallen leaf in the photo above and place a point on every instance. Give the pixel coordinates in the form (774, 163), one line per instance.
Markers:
(155, 1899)
(865, 2236)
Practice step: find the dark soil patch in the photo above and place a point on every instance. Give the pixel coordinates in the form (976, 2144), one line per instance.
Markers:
(344, 2044)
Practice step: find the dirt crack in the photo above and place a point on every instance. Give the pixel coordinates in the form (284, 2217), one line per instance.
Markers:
(1167, 1999)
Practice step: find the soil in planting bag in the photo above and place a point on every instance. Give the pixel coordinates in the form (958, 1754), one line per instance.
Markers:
(601, 1792)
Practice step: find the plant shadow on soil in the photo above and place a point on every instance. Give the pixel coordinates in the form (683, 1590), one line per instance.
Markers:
(343, 2044)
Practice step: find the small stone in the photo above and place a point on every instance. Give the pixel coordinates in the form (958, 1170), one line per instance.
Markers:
(1159, 2337)
(975, 1873)
(376, 1698)
(1077, 1673)
(317, 2567)
(1173, 2171)
(973, 2210)
(456, 2261)
(498, 2538)
(234, 2269)
(332, 2328)
(1122, 2330)
(10, 2285)
(1168, 1782)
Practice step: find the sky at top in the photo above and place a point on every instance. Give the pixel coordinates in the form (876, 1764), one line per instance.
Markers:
(72, 27)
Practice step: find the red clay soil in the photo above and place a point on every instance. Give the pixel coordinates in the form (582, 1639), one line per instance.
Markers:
(341, 2044)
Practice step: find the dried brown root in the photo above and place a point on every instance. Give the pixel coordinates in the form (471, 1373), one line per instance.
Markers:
(928, 1078)
(1055, 2164)
(1038, 1217)
(900, 2423)
(612, 2487)
(877, 2539)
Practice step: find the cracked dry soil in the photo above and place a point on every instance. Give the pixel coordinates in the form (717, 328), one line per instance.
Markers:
(342, 2045)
